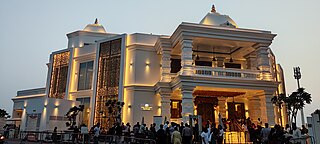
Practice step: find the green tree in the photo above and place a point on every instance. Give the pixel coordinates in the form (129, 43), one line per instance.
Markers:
(72, 115)
(4, 114)
(296, 101)
(278, 101)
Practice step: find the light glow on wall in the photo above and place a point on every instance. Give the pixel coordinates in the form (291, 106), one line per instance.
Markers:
(147, 69)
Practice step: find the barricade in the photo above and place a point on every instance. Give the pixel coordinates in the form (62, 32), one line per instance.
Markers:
(70, 137)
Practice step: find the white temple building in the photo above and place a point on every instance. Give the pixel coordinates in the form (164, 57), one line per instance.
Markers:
(208, 68)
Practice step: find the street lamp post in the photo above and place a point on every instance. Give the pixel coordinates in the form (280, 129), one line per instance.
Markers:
(297, 76)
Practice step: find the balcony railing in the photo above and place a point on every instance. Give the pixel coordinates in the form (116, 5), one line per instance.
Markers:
(227, 73)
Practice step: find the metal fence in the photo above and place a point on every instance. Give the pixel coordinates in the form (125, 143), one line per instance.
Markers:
(70, 137)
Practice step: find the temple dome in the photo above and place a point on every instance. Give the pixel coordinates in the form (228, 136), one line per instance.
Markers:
(216, 19)
(96, 27)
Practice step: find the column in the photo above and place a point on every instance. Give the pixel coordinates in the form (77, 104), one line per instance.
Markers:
(263, 62)
(186, 58)
(251, 61)
(187, 105)
(222, 107)
(165, 66)
(267, 108)
(254, 109)
(165, 106)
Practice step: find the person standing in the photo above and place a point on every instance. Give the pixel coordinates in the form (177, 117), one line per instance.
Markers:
(96, 131)
(84, 132)
(220, 134)
(75, 135)
(161, 135)
(54, 135)
(265, 133)
(153, 128)
(127, 129)
(205, 136)
(186, 134)
(176, 136)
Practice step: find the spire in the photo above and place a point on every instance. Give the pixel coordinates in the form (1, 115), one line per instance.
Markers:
(96, 21)
(213, 9)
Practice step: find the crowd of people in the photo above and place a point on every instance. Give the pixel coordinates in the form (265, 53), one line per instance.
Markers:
(183, 133)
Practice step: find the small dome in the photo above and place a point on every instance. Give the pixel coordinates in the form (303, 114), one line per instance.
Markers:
(96, 27)
(216, 19)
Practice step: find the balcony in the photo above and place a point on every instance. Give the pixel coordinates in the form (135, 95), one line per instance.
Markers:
(218, 72)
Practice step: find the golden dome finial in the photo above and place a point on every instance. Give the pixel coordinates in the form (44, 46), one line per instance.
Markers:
(96, 21)
(213, 9)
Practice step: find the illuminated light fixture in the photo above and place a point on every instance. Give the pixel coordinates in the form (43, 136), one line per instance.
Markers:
(56, 106)
(129, 106)
(147, 63)
(25, 106)
(146, 107)
(45, 105)
(88, 110)
(131, 63)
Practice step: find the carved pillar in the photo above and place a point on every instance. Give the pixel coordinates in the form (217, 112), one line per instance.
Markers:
(263, 62)
(267, 109)
(186, 58)
(165, 106)
(254, 109)
(187, 104)
(222, 106)
(165, 66)
(251, 61)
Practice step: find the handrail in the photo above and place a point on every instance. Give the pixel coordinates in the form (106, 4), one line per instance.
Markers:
(227, 72)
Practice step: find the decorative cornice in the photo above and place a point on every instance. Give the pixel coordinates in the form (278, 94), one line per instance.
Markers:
(190, 30)
(163, 44)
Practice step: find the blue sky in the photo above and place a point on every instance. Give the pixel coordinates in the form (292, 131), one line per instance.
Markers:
(31, 30)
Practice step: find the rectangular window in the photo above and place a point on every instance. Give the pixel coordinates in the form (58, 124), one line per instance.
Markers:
(59, 74)
(176, 109)
(85, 76)
(85, 115)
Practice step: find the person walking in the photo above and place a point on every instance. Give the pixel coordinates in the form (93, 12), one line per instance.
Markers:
(176, 136)
(186, 134)
(96, 131)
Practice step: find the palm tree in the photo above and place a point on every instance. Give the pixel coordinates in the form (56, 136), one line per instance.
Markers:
(296, 101)
(278, 101)
(4, 114)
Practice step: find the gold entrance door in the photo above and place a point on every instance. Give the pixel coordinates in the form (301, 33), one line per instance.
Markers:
(206, 108)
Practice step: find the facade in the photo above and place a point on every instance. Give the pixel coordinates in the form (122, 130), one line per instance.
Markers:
(207, 68)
